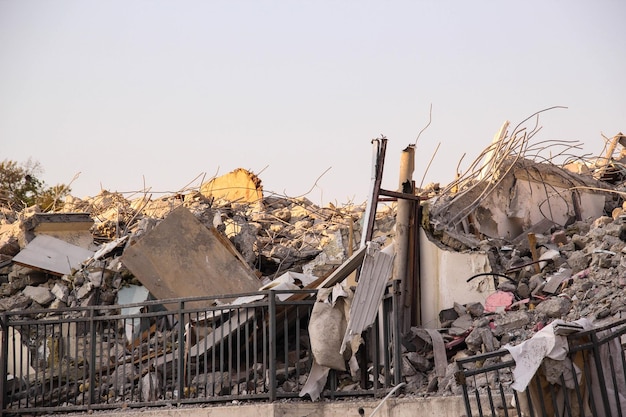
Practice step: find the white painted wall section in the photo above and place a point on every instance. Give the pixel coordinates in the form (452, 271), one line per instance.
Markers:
(443, 279)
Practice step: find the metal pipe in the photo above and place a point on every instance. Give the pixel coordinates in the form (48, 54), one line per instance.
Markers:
(403, 219)
(378, 162)
(397, 387)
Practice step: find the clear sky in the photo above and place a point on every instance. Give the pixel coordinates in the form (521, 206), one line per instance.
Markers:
(159, 92)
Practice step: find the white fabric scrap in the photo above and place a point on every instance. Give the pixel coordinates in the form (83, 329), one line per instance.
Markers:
(529, 354)
(315, 382)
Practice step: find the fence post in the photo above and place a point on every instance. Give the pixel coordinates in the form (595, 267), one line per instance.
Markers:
(92, 356)
(4, 358)
(272, 346)
(181, 352)
(396, 331)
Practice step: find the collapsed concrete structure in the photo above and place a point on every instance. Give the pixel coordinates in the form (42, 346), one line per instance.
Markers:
(505, 249)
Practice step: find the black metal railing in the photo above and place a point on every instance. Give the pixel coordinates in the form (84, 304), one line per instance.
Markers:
(590, 382)
(171, 352)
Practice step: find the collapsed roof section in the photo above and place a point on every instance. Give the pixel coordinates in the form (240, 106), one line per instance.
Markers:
(510, 188)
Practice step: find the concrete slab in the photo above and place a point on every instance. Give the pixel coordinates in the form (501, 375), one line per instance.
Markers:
(52, 255)
(74, 228)
(181, 257)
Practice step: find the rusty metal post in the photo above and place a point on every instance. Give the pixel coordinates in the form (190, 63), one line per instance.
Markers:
(377, 177)
(402, 243)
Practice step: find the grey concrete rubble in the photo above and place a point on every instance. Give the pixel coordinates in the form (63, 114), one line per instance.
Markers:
(495, 266)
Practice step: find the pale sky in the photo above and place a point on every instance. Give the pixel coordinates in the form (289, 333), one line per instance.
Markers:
(156, 93)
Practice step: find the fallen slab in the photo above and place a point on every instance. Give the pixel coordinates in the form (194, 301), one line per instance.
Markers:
(52, 255)
(181, 257)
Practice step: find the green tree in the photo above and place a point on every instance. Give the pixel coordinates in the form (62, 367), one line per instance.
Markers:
(20, 186)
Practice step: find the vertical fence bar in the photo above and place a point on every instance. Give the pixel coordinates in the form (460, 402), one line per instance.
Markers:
(181, 352)
(397, 323)
(92, 358)
(4, 345)
(373, 338)
(272, 346)
(598, 364)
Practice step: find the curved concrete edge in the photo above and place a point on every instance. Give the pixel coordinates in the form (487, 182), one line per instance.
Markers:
(451, 406)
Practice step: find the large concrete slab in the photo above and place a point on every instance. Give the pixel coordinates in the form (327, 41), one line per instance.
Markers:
(181, 257)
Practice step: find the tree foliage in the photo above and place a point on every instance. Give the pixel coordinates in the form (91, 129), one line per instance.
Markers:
(21, 186)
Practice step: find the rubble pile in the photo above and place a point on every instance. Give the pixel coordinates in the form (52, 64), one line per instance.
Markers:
(555, 240)
(581, 275)
(553, 243)
(275, 235)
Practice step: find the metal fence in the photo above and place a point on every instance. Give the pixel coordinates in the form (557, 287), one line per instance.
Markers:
(590, 382)
(95, 358)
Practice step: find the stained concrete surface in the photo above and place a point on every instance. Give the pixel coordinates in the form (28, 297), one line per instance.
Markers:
(449, 406)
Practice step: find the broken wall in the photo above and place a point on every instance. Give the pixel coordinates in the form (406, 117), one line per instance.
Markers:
(443, 279)
(522, 200)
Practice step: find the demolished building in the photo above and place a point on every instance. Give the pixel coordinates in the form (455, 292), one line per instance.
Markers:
(511, 246)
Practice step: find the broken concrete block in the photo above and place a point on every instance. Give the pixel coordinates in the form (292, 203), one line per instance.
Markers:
(554, 307)
(16, 302)
(461, 325)
(9, 245)
(214, 383)
(282, 214)
(475, 309)
(578, 261)
(57, 304)
(84, 291)
(559, 238)
(90, 300)
(40, 295)
(420, 362)
(481, 340)
(512, 320)
(240, 186)
(151, 386)
(95, 276)
(61, 291)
